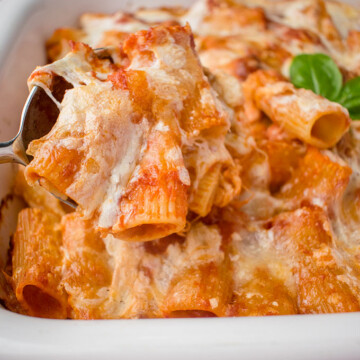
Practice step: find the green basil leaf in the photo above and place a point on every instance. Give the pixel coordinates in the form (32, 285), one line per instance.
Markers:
(350, 97)
(316, 72)
(355, 115)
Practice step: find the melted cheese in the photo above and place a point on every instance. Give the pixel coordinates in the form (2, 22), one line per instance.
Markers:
(95, 26)
(93, 110)
(121, 173)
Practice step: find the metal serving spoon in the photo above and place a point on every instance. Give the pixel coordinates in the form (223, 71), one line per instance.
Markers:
(38, 116)
(37, 119)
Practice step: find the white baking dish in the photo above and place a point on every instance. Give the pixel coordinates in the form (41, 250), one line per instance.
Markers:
(24, 25)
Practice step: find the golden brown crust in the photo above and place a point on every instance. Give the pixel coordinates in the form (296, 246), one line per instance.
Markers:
(229, 157)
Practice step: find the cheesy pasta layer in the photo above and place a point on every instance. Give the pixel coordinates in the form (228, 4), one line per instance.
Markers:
(206, 183)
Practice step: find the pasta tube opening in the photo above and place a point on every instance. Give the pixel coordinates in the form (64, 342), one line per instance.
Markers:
(310, 117)
(191, 314)
(329, 127)
(40, 303)
(149, 231)
(36, 264)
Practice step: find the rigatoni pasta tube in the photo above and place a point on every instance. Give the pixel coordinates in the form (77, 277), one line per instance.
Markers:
(262, 295)
(202, 200)
(131, 294)
(155, 201)
(86, 270)
(310, 117)
(200, 280)
(210, 164)
(316, 179)
(197, 292)
(305, 236)
(37, 264)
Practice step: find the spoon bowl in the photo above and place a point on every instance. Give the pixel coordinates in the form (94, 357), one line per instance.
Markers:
(38, 117)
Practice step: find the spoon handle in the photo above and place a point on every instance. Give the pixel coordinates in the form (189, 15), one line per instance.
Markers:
(9, 154)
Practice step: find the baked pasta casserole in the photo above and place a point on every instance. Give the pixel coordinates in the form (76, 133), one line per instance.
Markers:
(208, 182)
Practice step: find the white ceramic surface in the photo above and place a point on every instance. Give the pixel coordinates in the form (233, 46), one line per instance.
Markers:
(24, 26)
